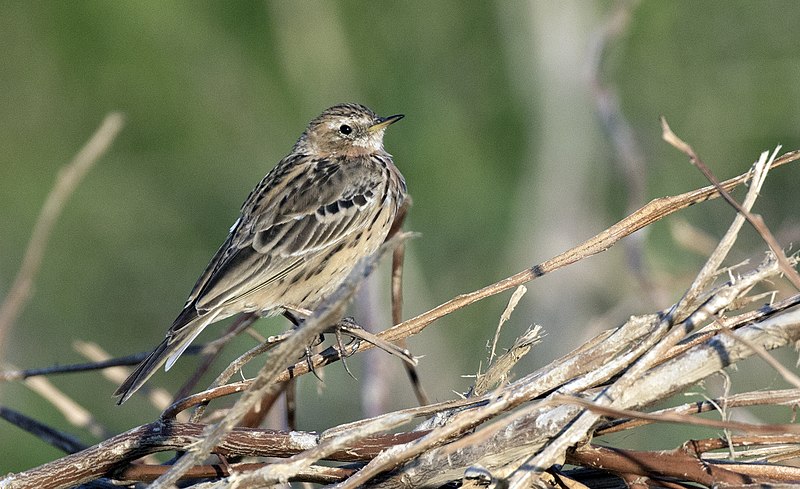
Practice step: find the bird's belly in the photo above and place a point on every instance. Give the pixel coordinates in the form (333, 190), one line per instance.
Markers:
(322, 274)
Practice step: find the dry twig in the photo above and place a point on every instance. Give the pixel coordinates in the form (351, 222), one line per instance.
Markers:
(546, 413)
(68, 180)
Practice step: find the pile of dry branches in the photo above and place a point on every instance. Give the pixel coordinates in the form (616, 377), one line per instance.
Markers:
(516, 433)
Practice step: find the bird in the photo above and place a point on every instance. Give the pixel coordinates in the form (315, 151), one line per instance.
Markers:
(330, 202)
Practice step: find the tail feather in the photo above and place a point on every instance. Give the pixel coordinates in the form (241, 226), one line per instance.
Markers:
(187, 334)
(176, 342)
(144, 371)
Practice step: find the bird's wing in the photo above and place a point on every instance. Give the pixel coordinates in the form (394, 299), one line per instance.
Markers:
(297, 211)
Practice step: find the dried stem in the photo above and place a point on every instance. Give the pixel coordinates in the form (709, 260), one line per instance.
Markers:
(655, 210)
(68, 180)
(515, 430)
(755, 220)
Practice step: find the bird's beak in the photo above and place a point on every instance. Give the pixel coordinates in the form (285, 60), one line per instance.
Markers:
(385, 122)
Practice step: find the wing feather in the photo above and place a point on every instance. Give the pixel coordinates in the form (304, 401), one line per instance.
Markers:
(292, 215)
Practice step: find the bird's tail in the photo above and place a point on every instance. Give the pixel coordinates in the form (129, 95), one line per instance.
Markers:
(144, 371)
(177, 340)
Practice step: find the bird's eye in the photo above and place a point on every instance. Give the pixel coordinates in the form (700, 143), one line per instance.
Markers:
(345, 129)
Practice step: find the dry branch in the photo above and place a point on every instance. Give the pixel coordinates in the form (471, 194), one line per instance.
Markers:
(516, 432)
(68, 180)
(654, 211)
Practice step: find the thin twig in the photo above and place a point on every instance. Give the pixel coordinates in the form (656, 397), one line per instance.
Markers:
(512, 303)
(230, 371)
(499, 369)
(787, 375)
(669, 417)
(203, 397)
(10, 374)
(69, 177)
(755, 220)
(674, 464)
(398, 260)
(94, 353)
(786, 397)
(62, 441)
(630, 160)
(73, 412)
(655, 210)
(711, 267)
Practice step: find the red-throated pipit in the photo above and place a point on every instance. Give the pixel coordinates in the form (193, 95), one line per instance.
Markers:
(301, 231)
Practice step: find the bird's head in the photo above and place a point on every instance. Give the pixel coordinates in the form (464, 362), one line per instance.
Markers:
(345, 129)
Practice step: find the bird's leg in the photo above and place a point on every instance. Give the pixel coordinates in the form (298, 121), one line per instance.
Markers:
(349, 327)
(296, 317)
(293, 317)
(343, 349)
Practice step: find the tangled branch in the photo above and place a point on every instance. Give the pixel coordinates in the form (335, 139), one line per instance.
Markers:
(518, 432)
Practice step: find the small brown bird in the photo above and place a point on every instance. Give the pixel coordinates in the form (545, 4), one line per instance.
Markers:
(301, 231)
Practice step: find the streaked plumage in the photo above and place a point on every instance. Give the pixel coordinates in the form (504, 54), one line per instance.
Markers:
(301, 231)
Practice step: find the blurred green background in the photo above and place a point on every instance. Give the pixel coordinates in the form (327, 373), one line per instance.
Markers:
(503, 148)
